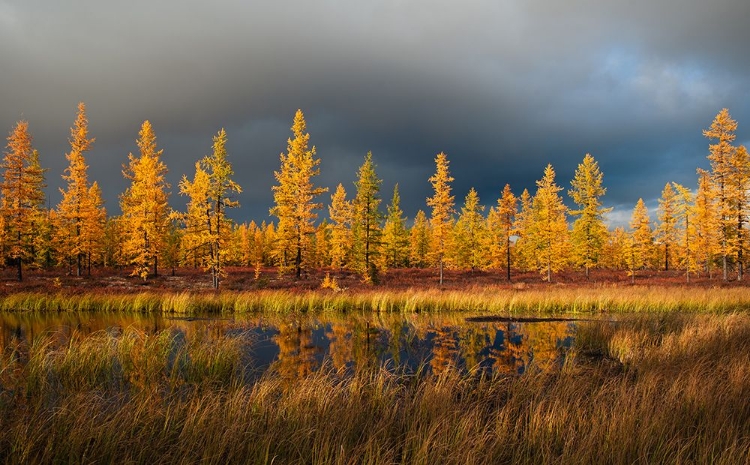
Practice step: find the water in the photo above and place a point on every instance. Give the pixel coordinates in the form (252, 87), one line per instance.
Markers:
(296, 345)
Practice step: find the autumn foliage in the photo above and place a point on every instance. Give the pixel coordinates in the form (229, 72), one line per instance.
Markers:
(695, 231)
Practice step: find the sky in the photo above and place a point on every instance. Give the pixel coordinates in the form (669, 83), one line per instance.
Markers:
(503, 87)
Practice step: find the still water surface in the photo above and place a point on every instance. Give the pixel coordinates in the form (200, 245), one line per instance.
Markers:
(296, 345)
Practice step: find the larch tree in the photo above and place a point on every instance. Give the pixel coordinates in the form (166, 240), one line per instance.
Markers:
(22, 207)
(395, 250)
(720, 154)
(685, 215)
(666, 232)
(589, 231)
(550, 237)
(295, 195)
(366, 229)
(419, 241)
(340, 213)
(707, 221)
(470, 232)
(524, 228)
(195, 236)
(641, 239)
(80, 216)
(220, 189)
(739, 186)
(442, 210)
(145, 211)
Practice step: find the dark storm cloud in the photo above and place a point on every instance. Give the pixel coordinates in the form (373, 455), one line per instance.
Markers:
(503, 87)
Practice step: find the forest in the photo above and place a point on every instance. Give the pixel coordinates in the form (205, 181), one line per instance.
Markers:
(698, 230)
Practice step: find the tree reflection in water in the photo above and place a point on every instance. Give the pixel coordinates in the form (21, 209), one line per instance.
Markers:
(296, 345)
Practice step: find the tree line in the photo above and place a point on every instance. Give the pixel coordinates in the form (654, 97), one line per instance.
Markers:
(698, 231)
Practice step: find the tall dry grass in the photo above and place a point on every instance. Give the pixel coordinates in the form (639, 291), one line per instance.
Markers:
(665, 388)
(550, 300)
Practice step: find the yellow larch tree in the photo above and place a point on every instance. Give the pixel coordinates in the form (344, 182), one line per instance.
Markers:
(641, 239)
(221, 186)
(666, 231)
(22, 205)
(295, 196)
(739, 186)
(80, 216)
(707, 221)
(500, 220)
(442, 203)
(523, 227)
(395, 239)
(550, 232)
(469, 234)
(340, 213)
(419, 241)
(589, 232)
(366, 219)
(145, 211)
(720, 154)
(685, 215)
(195, 237)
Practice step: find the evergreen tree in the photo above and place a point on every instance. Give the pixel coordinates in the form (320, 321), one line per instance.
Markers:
(524, 228)
(707, 221)
(685, 215)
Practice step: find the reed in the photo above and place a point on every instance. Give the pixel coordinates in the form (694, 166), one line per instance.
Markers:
(543, 301)
(665, 388)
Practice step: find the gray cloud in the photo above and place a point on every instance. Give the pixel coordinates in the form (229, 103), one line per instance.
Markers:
(502, 87)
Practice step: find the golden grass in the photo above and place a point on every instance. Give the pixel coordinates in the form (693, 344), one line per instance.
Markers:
(664, 388)
(548, 300)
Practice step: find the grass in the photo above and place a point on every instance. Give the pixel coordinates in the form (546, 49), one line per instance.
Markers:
(546, 300)
(653, 388)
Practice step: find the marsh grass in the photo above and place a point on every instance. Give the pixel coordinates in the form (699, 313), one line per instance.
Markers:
(548, 300)
(664, 388)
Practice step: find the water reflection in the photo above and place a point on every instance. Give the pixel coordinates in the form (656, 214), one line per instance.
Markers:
(297, 345)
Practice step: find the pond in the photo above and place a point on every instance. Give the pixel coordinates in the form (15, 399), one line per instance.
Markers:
(299, 344)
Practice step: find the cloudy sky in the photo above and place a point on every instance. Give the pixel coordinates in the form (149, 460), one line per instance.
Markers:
(502, 86)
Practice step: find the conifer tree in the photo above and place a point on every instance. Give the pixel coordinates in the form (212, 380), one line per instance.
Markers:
(366, 220)
(395, 236)
(220, 189)
(22, 207)
(550, 233)
(442, 210)
(470, 233)
(685, 215)
(195, 237)
(80, 216)
(295, 195)
(145, 212)
(720, 154)
(340, 213)
(666, 232)
(524, 228)
(739, 186)
(589, 232)
(419, 241)
(707, 219)
(641, 239)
